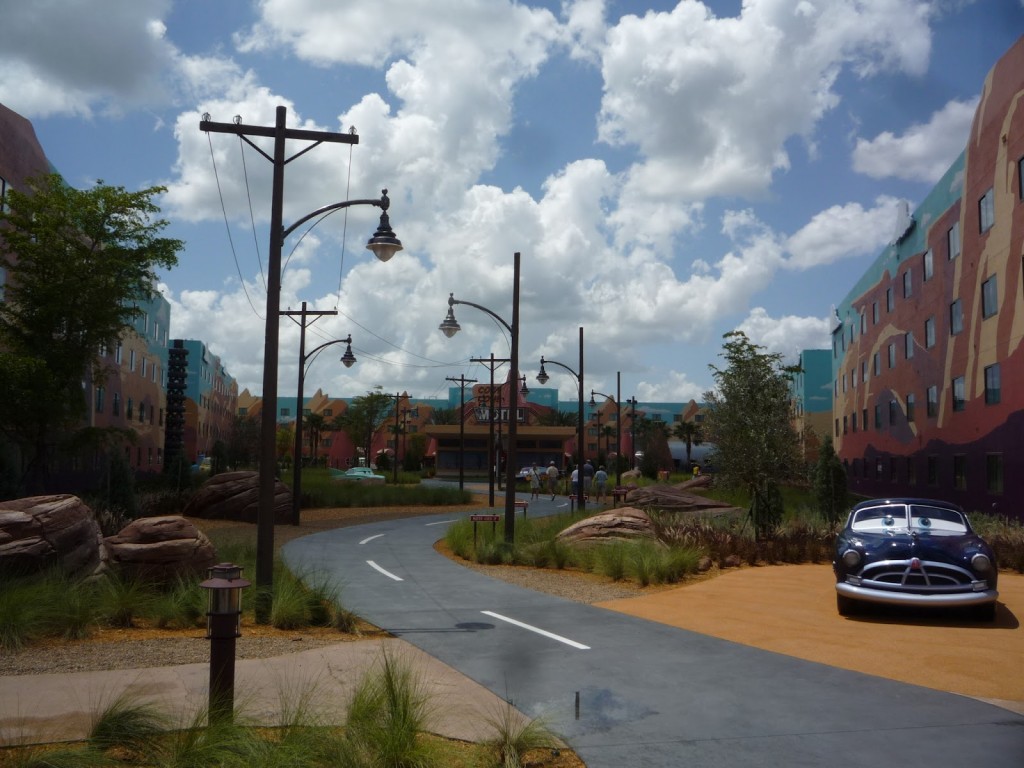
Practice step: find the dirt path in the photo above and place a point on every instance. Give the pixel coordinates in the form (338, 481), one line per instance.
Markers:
(791, 610)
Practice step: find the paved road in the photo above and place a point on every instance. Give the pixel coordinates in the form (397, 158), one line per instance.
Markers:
(649, 695)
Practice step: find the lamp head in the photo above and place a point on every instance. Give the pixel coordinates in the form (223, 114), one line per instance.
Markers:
(523, 390)
(348, 359)
(384, 243)
(450, 326)
(542, 377)
(593, 402)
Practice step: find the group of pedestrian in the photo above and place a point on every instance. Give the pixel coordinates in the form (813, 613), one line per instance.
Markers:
(547, 479)
(543, 478)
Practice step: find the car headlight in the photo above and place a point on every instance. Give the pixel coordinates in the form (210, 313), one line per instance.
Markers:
(981, 563)
(851, 558)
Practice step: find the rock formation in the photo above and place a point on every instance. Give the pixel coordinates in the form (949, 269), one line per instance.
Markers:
(160, 548)
(626, 523)
(39, 532)
(235, 496)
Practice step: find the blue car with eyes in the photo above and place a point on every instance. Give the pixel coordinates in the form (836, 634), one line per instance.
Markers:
(913, 552)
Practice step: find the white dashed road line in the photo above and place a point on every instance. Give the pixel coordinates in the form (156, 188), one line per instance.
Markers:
(538, 630)
(389, 574)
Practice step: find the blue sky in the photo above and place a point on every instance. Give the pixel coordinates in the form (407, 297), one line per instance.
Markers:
(669, 171)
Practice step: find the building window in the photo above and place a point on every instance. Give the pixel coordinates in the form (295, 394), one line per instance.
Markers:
(878, 416)
(100, 392)
(908, 284)
(908, 344)
(956, 317)
(986, 211)
(890, 299)
(994, 472)
(876, 362)
(933, 470)
(929, 333)
(960, 472)
(160, 422)
(853, 421)
(932, 407)
(142, 413)
(992, 386)
(929, 265)
(893, 472)
(864, 418)
(864, 370)
(118, 352)
(853, 378)
(953, 240)
(845, 423)
(892, 355)
(874, 313)
(1020, 178)
(837, 428)
(286, 412)
(115, 404)
(911, 472)
(145, 367)
(863, 323)
(910, 406)
(893, 410)
(959, 394)
(328, 413)
(129, 409)
(878, 468)
(990, 297)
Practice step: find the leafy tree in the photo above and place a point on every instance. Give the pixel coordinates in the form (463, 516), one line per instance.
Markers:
(244, 442)
(77, 263)
(364, 416)
(415, 450)
(690, 434)
(749, 421)
(830, 482)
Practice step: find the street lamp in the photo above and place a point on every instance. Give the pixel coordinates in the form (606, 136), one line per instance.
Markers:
(384, 245)
(632, 433)
(618, 422)
(450, 326)
(543, 377)
(348, 360)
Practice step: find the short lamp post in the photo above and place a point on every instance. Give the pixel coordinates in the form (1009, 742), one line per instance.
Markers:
(449, 327)
(543, 378)
(223, 624)
(632, 433)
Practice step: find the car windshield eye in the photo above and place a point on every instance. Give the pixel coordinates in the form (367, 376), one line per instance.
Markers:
(924, 522)
(888, 521)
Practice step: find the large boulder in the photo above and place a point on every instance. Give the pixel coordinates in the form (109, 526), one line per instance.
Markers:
(626, 523)
(39, 532)
(160, 548)
(235, 496)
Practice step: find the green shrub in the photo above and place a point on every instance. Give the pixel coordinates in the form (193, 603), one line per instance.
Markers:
(179, 606)
(23, 614)
(611, 560)
(121, 598)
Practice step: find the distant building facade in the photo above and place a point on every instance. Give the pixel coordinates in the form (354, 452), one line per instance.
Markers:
(810, 396)
(926, 339)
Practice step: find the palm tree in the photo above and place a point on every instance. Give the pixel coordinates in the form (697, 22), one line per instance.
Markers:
(557, 418)
(690, 434)
(444, 416)
(608, 432)
(315, 424)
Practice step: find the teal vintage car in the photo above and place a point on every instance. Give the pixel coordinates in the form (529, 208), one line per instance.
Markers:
(358, 474)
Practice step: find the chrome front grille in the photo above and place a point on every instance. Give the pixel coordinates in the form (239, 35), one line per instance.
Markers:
(927, 576)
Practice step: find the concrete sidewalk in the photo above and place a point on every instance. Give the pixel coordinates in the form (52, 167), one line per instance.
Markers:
(61, 707)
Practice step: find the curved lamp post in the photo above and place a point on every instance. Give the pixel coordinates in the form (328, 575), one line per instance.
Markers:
(449, 328)
(618, 422)
(384, 245)
(543, 377)
(348, 360)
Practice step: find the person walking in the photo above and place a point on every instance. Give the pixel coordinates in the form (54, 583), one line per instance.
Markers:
(600, 482)
(588, 476)
(534, 483)
(552, 474)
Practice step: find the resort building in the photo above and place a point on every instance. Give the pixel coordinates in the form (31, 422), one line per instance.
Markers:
(927, 337)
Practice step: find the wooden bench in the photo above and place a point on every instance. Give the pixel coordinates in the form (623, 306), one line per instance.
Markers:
(523, 505)
(618, 494)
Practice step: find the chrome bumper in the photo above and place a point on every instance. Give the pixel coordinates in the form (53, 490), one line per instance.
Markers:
(939, 600)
